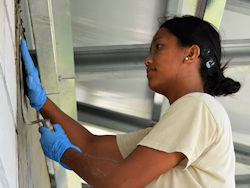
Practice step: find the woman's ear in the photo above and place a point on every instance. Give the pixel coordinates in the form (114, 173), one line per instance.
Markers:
(192, 53)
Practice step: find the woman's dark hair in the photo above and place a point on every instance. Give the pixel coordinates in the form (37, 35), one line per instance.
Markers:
(191, 30)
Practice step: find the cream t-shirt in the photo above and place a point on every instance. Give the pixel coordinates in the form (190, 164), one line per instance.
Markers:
(197, 126)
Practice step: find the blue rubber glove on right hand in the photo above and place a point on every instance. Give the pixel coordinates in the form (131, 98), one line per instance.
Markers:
(55, 143)
(36, 93)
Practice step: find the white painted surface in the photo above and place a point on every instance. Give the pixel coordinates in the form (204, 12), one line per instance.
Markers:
(8, 101)
(238, 105)
(115, 22)
(235, 25)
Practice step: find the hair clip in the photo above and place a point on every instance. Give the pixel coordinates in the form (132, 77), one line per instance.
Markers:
(209, 64)
(206, 51)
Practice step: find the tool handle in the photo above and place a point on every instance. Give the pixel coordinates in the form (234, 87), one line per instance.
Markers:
(48, 124)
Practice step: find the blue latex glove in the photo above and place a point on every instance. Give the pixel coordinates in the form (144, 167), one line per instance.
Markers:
(55, 143)
(36, 93)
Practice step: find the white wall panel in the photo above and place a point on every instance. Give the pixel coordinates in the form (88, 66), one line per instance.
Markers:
(8, 145)
(8, 100)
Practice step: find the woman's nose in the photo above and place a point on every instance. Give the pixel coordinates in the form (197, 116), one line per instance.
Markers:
(147, 61)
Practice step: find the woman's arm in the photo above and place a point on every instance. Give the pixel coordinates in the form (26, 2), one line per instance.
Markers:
(77, 134)
(99, 146)
(140, 168)
(101, 164)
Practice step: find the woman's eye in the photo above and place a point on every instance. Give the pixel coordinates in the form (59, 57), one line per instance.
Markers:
(158, 46)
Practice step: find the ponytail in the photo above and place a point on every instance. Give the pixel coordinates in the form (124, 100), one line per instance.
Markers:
(215, 83)
(227, 86)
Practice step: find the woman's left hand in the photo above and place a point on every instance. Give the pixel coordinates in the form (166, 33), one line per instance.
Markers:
(36, 93)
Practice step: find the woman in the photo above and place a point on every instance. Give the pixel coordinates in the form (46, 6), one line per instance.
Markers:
(191, 146)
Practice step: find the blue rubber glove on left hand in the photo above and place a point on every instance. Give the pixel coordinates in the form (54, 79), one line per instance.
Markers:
(55, 143)
(36, 93)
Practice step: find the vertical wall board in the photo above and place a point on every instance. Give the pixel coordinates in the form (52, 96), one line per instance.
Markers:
(67, 97)
(63, 37)
(32, 165)
(8, 142)
(8, 6)
(51, 21)
(9, 65)
(33, 172)
(22, 163)
(32, 168)
(25, 15)
(2, 33)
(40, 18)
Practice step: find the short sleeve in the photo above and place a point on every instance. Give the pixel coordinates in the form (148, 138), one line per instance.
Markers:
(127, 142)
(187, 127)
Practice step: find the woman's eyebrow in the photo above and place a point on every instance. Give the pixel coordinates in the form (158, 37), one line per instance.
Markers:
(155, 39)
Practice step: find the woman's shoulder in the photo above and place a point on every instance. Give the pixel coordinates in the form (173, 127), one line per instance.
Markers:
(195, 99)
(210, 103)
(199, 98)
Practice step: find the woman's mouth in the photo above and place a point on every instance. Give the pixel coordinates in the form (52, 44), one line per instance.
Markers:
(150, 69)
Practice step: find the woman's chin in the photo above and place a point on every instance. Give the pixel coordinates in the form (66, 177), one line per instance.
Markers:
(152, 86)
(156, 88)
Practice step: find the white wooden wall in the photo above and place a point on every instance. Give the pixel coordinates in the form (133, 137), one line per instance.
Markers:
(8, 99)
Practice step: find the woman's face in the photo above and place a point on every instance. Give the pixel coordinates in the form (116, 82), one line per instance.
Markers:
(164, 62)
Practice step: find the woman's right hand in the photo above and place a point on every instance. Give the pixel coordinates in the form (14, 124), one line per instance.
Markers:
(36, 93)
(55, 142)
